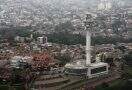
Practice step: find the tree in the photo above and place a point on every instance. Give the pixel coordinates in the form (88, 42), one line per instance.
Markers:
(128, 58)
(64, 59)
(64, 27)
(127, 85)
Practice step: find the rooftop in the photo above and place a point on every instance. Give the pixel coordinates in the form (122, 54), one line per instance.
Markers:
(98, 64)
(82, 65)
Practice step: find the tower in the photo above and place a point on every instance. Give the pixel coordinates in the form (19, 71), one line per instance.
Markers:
(85, 67)
(88, 29)
(88, 44)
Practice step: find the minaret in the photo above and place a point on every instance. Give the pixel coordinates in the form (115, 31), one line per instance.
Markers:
(88, 27)
(88, 44)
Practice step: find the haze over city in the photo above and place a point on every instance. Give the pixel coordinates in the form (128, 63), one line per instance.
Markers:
(65, 44)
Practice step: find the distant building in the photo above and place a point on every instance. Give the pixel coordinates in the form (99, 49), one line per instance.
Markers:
(20, 61)
(42, 40)
(36, 48)
(19, 39)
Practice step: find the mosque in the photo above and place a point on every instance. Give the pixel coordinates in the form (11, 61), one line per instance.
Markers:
(85, 67)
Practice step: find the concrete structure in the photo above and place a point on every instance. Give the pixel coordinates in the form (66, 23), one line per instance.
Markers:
(42, 40)
(88, 44)
(19, 39)
(104, 5)
(85, 67)
(93, 70)
(18, 61)
(15, 61)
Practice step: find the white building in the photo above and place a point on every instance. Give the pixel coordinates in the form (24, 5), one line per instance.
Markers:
(19, 39)
(85, 67)
(104, 5)
(42, 40)
(16, 61)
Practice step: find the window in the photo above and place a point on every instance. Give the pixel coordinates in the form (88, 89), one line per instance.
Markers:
(98, 70)
(76, 71)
